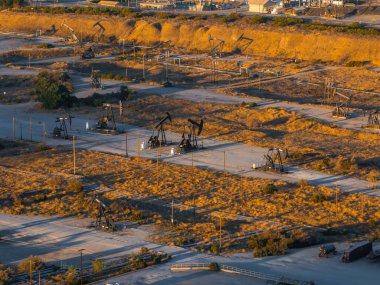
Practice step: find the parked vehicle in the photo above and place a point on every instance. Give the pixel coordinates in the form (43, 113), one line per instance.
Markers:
(357, 251)
(326, 249)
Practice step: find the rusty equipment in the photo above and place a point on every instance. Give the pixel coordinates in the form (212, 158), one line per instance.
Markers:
(327, 249)
(103, 220)
(274, 159)
(96, 79)
(60, 129)
(159, 139)
(71, 36)
(243, 43)
(373, 120)
(88, 53)
(106, 123)
(216, 46)
(342, 109)
(189, 141)
(99, 33)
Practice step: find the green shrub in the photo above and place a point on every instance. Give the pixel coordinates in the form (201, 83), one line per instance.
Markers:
(163, 16)
(285, 21)
(256, 20)
(214, 249)
(318, 198)
(213, 266)
(32, 262)
(75, 186)
(269, 188)
(97, 265)
(53, 91)
(355, 63)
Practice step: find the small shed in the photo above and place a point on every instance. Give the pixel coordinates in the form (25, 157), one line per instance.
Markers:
(261, 6)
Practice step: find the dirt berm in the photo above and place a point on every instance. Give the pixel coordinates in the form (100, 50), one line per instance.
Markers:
(288, 42)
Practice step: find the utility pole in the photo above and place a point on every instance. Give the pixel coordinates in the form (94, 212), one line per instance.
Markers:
(138, 146)
(43, 133)
(220, 232)
(20, 130)
(126, 144)
(192, 175)
(39, 277)
(74, 159)
(13, 128)
(81, 266)
(30, 128)
(144, 66)
(30, 272)
(336, 203)
(172, 219)
(158, 154)
(224, 163)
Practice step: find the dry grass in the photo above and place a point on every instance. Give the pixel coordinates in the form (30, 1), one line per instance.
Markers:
(297, 89)
(288, 42)
(16, 89)
(25, 189)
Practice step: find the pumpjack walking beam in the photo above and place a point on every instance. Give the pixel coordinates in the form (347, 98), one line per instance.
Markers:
(216, 46)
(103, 220)
(244, 42)
(73, 37)
(160, 138)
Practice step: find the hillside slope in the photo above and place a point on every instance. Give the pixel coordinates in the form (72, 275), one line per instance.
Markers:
(289, 42)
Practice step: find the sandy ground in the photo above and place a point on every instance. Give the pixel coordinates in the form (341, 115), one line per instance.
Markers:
(58, 240)
(239, 157)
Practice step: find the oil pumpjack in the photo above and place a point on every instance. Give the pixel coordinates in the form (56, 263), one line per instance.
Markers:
(159, 136)
(189, 141)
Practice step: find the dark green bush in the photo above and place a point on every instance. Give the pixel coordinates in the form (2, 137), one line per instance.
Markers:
(269, 188)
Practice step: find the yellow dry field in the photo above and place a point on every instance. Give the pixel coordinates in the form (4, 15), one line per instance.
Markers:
(16, 89)
(38, 182)
(288, 42)
(24, 178)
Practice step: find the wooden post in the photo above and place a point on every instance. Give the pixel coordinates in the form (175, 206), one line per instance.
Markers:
(126, 144)
(30, 129)
(13, 128)
(138, 147)
(43, 133)
(30, 272)
(220, 232)
(20, 130)
(74, 158)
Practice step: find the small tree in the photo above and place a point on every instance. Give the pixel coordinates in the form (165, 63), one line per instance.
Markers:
(32, 262)
(98, 265)
(75, 186)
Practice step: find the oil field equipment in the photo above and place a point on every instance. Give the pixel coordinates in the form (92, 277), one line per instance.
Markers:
(106, 123)
(342, 109)
(71, 36)
(326, 249)
(99, 33)
(159, 137)
(216, 46)
(357, 251)
(274, 159)
(60, 129)
(189, 141)
(88, 53)
(243, 43)
(373, 120)
(96, 79)
(103, 219)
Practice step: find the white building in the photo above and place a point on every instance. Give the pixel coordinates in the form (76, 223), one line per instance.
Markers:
(262, 6)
